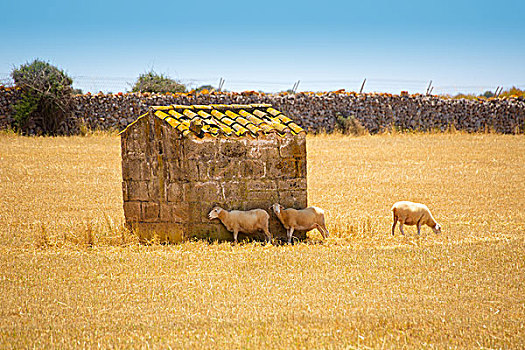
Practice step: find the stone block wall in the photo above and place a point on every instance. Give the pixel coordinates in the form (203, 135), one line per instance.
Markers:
(8, 96)
(314, 112)
(170, 182)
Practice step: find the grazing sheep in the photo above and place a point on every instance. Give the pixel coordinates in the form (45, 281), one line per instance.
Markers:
(236, 221)
(410, 213)
(301, 220)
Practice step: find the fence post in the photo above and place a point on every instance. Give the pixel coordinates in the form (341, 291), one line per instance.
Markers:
(429, 88)
(362, 86)
(295, 86)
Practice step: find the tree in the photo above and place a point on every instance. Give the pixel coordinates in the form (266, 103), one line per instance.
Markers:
(153, 82)
(205, 87)
(513, 91)
(46, 98)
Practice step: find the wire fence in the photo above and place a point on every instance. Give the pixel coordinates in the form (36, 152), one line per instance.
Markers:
(95, 84)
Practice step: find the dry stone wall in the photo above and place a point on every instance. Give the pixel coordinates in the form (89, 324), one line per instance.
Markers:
(313, 111)
(170, 182)
(8, 96)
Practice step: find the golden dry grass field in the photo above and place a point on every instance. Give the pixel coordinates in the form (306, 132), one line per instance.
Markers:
(72, 277)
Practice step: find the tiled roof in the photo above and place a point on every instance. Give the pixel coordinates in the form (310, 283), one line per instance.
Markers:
(229, 120)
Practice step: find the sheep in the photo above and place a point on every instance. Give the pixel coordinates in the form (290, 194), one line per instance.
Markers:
(410, 213)
(237, 221)
(301, 220)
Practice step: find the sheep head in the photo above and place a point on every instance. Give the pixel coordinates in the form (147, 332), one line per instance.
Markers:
(437, 228)
(214, 213)
(277, 208)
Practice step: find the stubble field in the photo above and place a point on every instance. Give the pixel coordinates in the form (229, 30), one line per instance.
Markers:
(71, 276)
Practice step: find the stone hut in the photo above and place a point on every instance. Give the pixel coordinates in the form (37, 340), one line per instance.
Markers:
(178, 162)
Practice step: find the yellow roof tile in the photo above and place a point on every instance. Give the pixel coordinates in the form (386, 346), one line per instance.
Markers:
(162, 108)
(273, 111)
(280, 127)
(260, 105)
(253, 129)
(239, 129)
(253, 119)
(161, 114)
(173, 122)
(241, 121)
(227, 121)
(226, 130)
(217, 114)
(241, 132)
(207, 128)
(174, 113)
(204, 114)
(189, 113)
(259, 113)
(237, 106)
(284, 119)
(266, 128)
(230, 120)
(231, 114)
(295, 128)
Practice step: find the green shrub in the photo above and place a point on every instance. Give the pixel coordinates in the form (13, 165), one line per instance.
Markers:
(205, 87)
(487, 94)
(46, 96)
(513, 91)
(153, 82)
(350, 125)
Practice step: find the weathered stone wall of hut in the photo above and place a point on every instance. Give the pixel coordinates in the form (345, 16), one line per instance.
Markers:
(144, 187)
(313, 111)
(170, 183)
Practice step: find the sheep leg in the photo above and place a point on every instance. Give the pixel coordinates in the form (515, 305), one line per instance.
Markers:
(289, 234)
(401, 228)
(322, 224)
(419, 226)
(268, 234)
(235, 234)
(322, 230)
(394, 225)
(327, 234)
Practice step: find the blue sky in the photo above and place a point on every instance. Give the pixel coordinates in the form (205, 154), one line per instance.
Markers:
(467, 46)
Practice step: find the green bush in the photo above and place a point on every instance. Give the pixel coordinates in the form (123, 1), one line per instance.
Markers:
(153, 82)
(513, 91)
(46, 96)
(487, 94)
(349, 125)
(205, 87)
